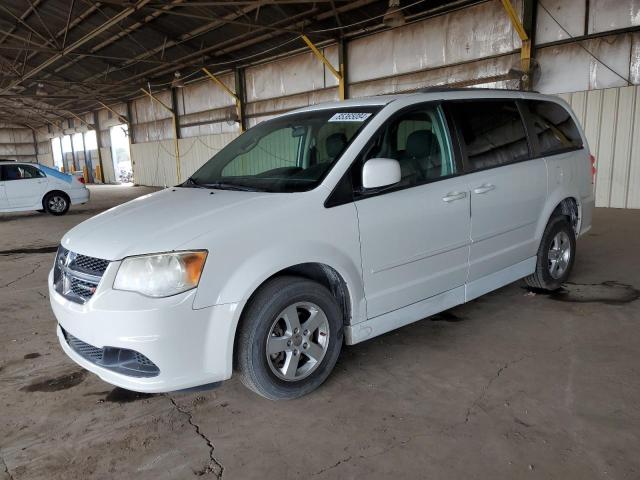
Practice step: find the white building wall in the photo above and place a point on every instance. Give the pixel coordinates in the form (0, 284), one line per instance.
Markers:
(611, 119)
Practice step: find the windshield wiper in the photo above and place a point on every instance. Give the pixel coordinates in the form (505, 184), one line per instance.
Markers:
(231, 186)
(191, 183)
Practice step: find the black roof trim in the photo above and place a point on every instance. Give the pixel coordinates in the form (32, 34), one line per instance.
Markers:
(444, 88)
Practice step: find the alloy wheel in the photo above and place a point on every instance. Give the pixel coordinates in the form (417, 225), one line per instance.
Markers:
(57, 204)
(559, 254)
(298, 341)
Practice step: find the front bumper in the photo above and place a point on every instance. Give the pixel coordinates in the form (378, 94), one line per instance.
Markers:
(189, 347)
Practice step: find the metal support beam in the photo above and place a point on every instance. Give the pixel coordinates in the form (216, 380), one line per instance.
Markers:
(64, 163)
(525, 38)
(35, 143)
(81, 120)
(342, 60)
(120, 117)
(339, 75)
(238, 99)
(73, 154)
(88, 161)
(132, 136)
(515, 20)
(174, 107)
(175, 130)
(242, 96)
(96, 122)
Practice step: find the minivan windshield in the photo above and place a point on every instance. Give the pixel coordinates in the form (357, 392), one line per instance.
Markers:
(292, 153)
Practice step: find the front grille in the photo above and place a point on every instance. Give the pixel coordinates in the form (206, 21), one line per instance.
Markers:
(93, 266)
(76, 277)
(121, 360)
(81, 288)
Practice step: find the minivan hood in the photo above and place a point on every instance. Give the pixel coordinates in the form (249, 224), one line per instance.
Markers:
(165, 220)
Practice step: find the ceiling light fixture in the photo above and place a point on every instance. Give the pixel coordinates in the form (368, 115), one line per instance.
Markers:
(394, 16)
(177, 82)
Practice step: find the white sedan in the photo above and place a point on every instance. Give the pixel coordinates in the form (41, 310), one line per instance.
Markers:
(31, 186)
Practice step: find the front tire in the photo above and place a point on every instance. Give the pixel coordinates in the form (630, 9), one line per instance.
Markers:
(56, 203)
(556, 255)
(290, 338)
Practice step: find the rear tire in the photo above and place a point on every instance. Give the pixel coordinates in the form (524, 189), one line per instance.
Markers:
(556, 255)
(56, 203)
(289, 339)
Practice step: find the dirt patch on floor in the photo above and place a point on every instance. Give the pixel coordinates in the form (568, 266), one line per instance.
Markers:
(56, 384)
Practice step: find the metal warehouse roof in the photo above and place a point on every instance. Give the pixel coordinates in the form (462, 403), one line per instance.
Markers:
(62, 56)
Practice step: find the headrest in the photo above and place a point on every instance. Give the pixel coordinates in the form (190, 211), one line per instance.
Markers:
(420, 143)
(335, 143)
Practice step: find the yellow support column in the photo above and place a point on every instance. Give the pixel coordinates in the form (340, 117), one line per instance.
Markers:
(525, 50)
(220, 83)
(175, 131)
(338, 74)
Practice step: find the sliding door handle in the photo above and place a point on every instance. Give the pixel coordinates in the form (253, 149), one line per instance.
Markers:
(487, 187)
(453, 196)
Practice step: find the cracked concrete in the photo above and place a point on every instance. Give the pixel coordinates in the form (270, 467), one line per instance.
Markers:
(484, 390)
(21, 277)
(5, 474)
(550, 389)
(213, 466)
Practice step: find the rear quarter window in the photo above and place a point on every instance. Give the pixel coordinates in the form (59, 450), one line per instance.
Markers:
(555, 129)
(492, 132)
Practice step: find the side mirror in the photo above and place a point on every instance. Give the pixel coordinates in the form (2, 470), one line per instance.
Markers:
(380, 172)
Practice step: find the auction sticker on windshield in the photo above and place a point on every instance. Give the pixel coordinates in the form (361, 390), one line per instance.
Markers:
(349, 117)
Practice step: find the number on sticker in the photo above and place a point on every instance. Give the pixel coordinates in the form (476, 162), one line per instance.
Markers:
(349, 117)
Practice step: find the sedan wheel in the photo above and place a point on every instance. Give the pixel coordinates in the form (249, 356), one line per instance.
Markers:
(56, 203)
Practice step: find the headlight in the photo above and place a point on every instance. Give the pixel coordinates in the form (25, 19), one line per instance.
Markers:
(160, 275)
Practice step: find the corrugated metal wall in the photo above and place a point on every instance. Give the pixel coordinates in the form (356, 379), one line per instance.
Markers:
(467, 44)
(16, 143)
(155, 162)
(611, 119)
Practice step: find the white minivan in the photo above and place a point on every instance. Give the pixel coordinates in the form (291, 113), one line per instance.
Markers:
(327, 225)
(31, 186)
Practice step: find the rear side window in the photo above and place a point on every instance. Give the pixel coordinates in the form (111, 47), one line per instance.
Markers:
(554, 127)
(492, 132)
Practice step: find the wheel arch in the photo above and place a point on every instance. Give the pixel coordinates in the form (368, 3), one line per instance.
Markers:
(561, 205)
(319, 272)
(61, 192)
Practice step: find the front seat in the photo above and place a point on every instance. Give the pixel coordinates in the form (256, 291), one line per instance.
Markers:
(335, 144)
(421, 155)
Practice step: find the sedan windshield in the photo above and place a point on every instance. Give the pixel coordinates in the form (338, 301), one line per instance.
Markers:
(292, 153)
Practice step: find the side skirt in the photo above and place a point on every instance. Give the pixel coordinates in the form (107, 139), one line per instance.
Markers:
(499, 279)
(403, 316)
(417, 311)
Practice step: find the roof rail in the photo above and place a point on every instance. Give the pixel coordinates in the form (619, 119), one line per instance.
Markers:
(445, 88)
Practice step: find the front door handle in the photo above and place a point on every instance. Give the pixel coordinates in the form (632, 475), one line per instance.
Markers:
(453, 196)
(487, 187)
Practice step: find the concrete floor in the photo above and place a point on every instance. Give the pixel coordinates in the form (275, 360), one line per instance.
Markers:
(512, 385)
